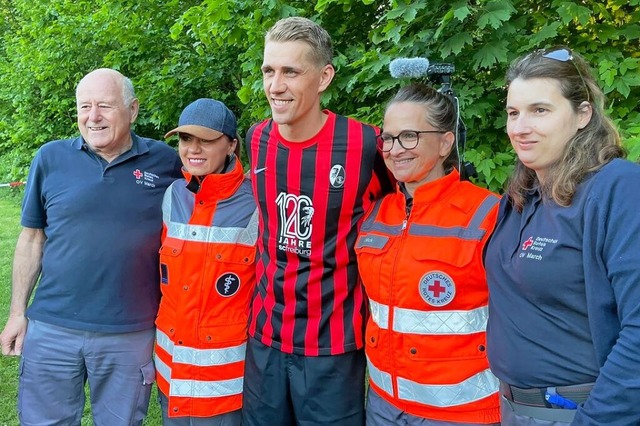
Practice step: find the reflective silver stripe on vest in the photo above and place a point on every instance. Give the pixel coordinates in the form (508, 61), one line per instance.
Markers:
(371, 218)
(380, 378)
(438, 231)
(483, 210)
(212, 234)
(473, 389)
(244, 216)
(162, 369)
(199, 388)
(440, 322)
(437, 322)
(473, 232)
(385, 229)
(166, 205)
(201, 357)
(202, 389)
(379, 314)
(476, 387)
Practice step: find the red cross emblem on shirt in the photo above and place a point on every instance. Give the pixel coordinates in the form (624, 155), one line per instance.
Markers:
(527, 243)
(437, 288)
(137, 173)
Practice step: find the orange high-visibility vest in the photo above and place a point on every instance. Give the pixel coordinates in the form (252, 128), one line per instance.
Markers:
(207, 263)
(423, 274)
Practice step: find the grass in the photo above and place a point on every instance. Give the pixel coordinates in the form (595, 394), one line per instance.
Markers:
(9, 230)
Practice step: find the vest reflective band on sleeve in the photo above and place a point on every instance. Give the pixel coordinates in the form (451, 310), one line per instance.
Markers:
(440, 322)
(437, 322)
(380, 378)
(201, 357)
(476, 387)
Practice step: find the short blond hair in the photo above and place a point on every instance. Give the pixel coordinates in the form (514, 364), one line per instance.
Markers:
(296, 28)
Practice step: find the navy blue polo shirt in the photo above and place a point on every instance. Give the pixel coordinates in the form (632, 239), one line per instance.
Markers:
(103, 224)
(538, 329)
(568, 311)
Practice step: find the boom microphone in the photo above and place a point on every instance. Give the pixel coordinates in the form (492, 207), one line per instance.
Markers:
(409, 67)
(418, 67)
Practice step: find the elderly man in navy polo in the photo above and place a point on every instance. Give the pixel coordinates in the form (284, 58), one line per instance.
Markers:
(91, 222)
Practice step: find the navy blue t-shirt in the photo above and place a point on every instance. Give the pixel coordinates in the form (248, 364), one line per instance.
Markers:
(103, 223)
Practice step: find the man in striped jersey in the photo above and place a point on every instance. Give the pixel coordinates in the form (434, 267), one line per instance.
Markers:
(314, 174)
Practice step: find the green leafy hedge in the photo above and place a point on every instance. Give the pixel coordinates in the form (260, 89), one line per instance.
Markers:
(178, 50)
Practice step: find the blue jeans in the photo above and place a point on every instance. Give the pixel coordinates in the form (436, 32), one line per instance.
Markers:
(57, 361)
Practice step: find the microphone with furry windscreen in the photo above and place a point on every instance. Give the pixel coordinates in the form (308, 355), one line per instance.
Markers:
(409, 67)
(419, 68)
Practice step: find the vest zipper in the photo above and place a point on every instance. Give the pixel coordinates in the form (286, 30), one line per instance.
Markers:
(391, 303)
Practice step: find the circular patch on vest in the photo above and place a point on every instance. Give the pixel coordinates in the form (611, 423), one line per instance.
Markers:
(437, 288)
(227, 284)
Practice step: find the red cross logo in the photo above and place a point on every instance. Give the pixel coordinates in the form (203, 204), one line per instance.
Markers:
(137, 173)
(527, 243)
(436, 288)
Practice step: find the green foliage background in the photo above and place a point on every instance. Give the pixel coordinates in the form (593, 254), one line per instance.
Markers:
(178, 50)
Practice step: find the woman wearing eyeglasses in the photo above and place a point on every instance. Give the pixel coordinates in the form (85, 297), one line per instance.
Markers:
(563, 265)
(420, 258)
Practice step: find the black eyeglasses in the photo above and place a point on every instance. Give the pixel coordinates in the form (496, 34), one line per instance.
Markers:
(565, 55)
(408, 139)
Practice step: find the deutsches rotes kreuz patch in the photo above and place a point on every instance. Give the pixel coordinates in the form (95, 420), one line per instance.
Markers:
(437, 288)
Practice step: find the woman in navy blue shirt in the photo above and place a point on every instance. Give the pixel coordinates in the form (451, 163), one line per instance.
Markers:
(563, 265)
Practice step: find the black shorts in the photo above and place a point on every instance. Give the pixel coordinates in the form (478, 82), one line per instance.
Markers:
(288, 389)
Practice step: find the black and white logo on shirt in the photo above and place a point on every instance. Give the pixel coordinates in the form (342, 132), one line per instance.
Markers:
(337, 176)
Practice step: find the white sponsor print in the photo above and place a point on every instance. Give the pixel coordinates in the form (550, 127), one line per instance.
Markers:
(296, 215)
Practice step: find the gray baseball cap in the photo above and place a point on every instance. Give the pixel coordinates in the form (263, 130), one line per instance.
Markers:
(206, 119)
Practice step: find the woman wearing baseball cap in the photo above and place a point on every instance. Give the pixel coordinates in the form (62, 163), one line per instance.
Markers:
(207, 257)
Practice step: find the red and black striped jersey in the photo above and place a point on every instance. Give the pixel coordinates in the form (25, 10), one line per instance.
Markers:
(312, 195)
